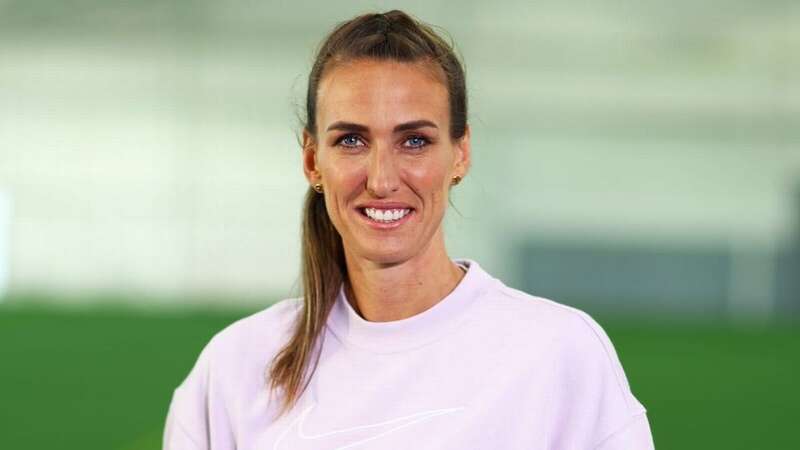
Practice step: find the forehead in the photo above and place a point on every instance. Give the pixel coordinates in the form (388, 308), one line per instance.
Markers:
(381, 93)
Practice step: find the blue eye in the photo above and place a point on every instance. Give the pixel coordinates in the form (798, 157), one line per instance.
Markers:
(417, 141)
(349, 140)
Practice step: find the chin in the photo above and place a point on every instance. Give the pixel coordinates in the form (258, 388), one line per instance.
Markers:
(386, 255)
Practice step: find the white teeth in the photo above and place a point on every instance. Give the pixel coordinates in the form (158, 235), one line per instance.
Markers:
(386, 215)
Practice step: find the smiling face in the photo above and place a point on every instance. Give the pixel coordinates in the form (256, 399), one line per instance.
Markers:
(384, 156)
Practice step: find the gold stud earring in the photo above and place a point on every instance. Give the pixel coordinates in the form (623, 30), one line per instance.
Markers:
(456, 180)
(318, 187)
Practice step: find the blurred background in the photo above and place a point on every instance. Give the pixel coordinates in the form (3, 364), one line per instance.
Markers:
(639, 160)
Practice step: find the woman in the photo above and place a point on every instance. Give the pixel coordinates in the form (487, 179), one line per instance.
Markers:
(420, 351)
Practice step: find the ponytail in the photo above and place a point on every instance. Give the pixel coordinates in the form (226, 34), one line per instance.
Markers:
(324, 270)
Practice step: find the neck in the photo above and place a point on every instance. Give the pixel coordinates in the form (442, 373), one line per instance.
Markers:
(382, 292)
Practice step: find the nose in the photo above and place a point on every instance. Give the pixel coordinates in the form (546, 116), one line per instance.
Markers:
(382, 175)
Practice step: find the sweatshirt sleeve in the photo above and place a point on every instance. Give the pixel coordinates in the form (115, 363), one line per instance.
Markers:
(594, 407)
(176, 436)
(197, 418)
(635, 435)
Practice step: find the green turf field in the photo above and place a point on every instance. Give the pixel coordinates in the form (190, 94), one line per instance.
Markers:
(102, 378)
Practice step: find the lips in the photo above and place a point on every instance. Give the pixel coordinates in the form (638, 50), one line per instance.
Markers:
(384, 205)
(385, 215)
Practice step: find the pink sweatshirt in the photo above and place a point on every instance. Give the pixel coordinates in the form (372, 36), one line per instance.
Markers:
(488, 367)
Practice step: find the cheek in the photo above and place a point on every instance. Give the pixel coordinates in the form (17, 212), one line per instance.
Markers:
(343, 181)
(340, 175)
(432, 168)
(430, 182)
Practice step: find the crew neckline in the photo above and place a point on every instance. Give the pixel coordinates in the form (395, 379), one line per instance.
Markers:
(414, 331)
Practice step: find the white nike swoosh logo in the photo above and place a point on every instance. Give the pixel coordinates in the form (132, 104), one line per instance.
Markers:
(293, 438)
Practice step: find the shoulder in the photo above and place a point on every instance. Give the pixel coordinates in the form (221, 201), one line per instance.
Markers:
(579, 347)
(269, 323)
(231, 362)
(542, 315)
(589, 390)
(250, 339)
(260, 332)
(508, 306)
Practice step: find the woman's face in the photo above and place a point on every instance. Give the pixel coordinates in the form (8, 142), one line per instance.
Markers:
(384, 156)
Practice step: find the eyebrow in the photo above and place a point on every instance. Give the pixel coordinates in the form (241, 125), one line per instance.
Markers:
(349, 126)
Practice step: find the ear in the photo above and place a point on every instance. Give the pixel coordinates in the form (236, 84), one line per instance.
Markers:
(310, 169)
(463, 154)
